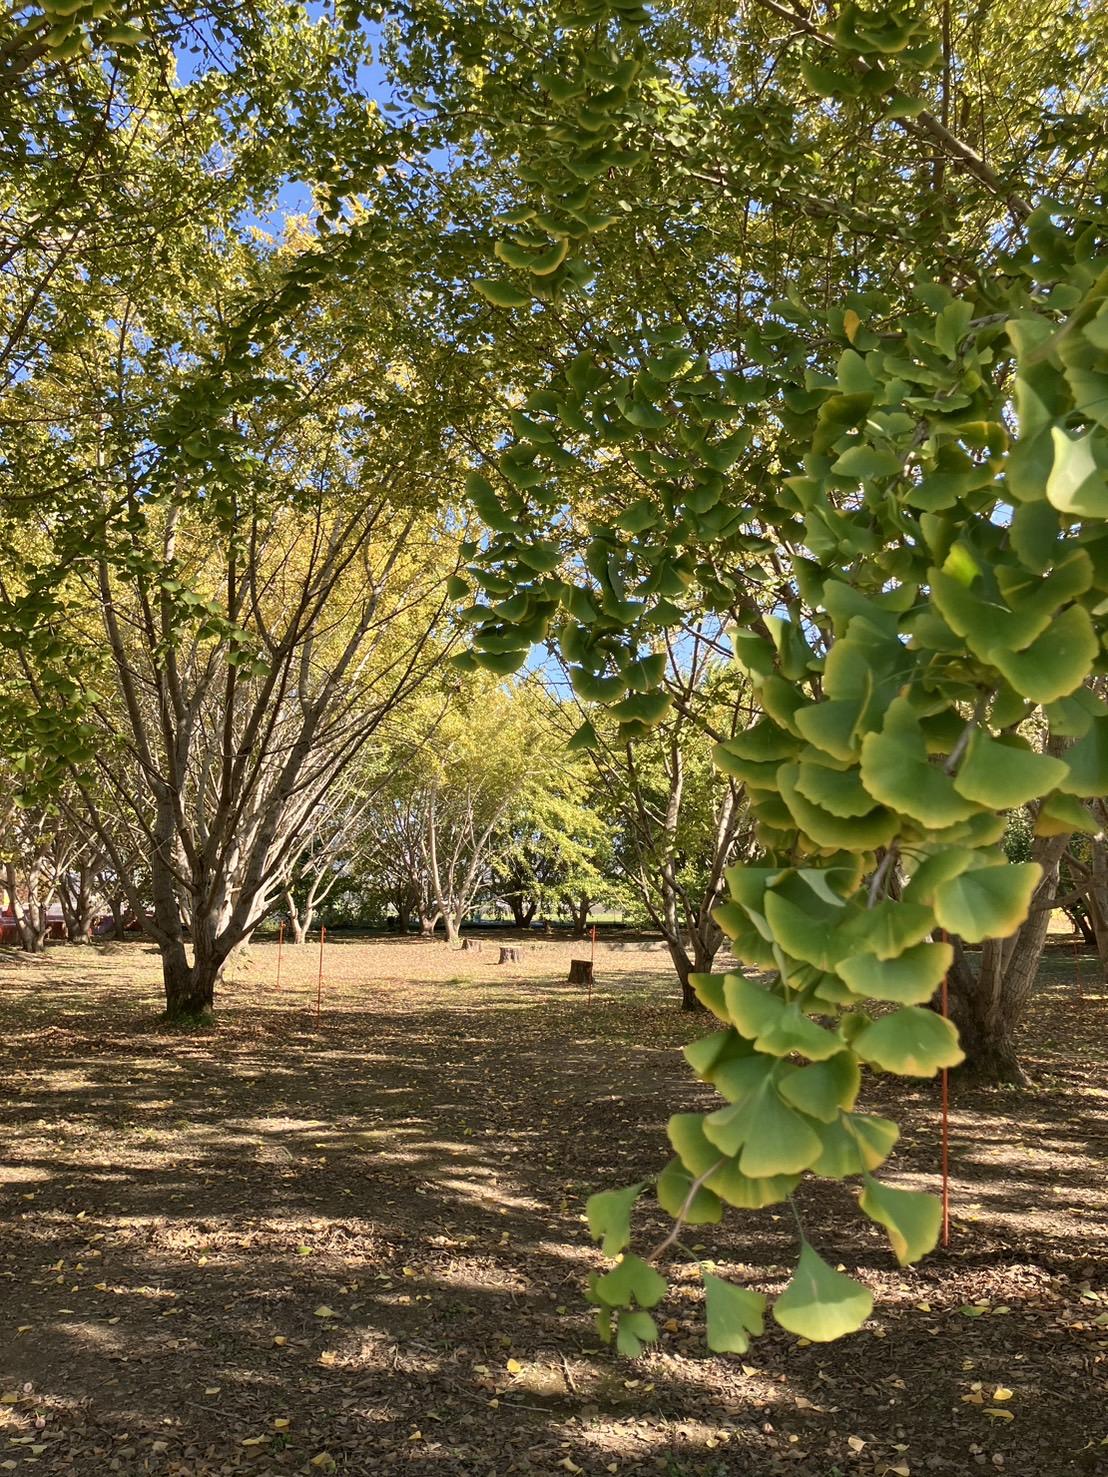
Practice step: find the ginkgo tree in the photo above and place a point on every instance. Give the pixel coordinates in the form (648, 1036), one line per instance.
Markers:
(897, 490)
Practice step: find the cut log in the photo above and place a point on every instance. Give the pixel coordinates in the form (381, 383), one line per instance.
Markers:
(511, 956)
(471, 945)
(580, 972)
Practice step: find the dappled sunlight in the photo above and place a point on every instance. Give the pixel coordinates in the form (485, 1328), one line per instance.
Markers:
(374, 1230)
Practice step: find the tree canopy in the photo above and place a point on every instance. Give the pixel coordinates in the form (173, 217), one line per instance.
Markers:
(790, 321)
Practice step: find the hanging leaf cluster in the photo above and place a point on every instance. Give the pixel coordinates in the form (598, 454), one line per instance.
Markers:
(904, 507)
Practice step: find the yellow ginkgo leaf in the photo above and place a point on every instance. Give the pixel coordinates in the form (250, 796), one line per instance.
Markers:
(1002, 1392)
(513, 1366)
(1001, 1415)
(281, 1423)
(323, 1311)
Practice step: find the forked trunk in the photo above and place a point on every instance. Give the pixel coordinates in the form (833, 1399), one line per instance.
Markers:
(523, 911)
(579, 913)
(189, 988)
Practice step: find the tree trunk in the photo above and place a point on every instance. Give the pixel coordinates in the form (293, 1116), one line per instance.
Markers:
(428, 922)
(988, 1005)
(579, 915)
(683, 966)
(1096, 919)
(300, 918)
(988, 1038)
(189, 988)
(119, 925)
(77, 906)
(523, 913)
(452, 923)
(31, 918)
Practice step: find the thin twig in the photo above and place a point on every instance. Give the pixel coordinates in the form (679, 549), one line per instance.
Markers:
(882, 873)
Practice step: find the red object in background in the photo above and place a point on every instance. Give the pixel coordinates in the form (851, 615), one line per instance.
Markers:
(319, 981)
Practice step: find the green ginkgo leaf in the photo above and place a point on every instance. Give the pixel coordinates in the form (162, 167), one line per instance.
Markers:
(724, 1177)
(709, 991)
(1087, 762)
(1005, 773)
(733, 1314)
(773, 1138)
(911, 1218)
(822, 1089)
(897, 772)
(839, 791)
(1078, 481)
(631, 1281)
(821, 1304)
(853, 1143)
(500, 293)
(891, 927)
(910, 979)
(583, 738)
(677, 1197)
(804, 932)
(987, 902)
(826, 828)
(775, 1026)
(633, 1330)
(1057, 662)
(1061, 815)
(912, 1042)
(609, 1217)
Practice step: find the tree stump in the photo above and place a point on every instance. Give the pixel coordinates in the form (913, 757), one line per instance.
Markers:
(580, 972)
(511, 956)
(471, 946)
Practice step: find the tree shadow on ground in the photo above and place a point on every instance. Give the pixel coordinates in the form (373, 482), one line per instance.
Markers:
(370, 1228)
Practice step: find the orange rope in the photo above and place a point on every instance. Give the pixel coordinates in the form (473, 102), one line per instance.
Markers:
(319, 982)
(945, 1118)
(946, 1137)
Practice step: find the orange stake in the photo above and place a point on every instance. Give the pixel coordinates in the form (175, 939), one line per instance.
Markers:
(592, 971)
(946, 1137)
(280, 947)
(1077, 966)
(319, 981)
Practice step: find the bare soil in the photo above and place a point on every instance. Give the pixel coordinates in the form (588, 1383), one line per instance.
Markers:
(357, 1244)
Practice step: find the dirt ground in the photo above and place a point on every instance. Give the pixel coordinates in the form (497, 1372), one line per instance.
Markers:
(357, 1244)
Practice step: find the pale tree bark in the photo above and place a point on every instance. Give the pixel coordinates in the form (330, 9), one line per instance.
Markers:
(457, 851)
(221, 769)
(678, 892)
(78, 899)
(30, 895)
